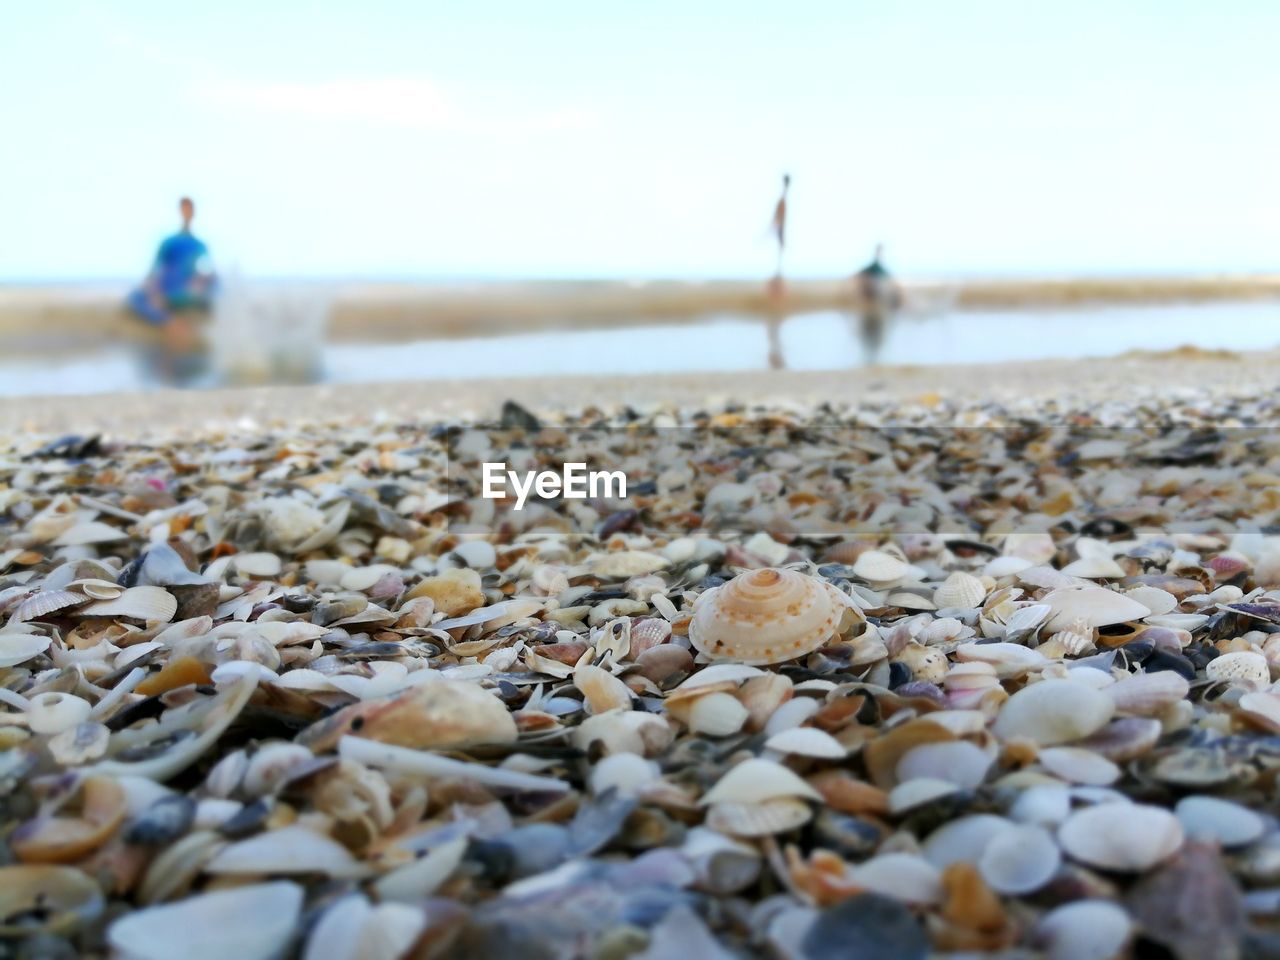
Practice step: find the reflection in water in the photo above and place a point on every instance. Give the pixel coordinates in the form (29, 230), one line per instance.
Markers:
(878, 297)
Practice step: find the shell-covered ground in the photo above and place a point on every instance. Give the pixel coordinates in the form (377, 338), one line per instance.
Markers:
(870, 681)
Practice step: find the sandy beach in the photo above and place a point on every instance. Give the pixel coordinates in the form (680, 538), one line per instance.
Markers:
(164, 413)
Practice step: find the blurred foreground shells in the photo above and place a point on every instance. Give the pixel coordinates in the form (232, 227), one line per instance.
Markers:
(960, 683)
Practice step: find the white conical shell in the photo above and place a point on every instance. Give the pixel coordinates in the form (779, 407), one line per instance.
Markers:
(766, 616)
(1121, 836)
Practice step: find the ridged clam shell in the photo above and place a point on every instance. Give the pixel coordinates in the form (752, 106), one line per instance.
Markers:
(766, 616)
(136, 603)
(758, 819)
(1121, 836)
(1144, 694)
(960, 590)
(1242, 666)
(47, 602)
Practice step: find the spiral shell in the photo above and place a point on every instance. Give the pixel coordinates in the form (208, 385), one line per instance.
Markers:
(766, 616)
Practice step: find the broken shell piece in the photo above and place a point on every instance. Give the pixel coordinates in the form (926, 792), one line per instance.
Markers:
(717, 715)
(767, 616)
(253, 922)
(67, 838)
(35, 898)
(292, 849)
(806, 742)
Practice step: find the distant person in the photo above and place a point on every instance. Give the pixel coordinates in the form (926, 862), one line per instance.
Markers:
(181, 278)
(877, 297)
(779, 225)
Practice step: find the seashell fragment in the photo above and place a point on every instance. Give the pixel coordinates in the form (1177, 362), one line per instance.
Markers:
(253, 922)
(1121, 836)
(902, 876)
(65, 839)
(876, 566)
(16, 648)
(717, 714)
(766, 616)
(454, 592)
(956, 761)
(1078, 765)
(45, 603)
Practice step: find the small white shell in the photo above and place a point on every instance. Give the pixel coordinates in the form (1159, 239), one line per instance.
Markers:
(962, 590)
(717, 714)
(1145, 694)
(601, 689)
(806, 742)
(257, 564)
(1009, 659)
(955, 761)
(758, 819)
(910, 794)
(1242, 666)
(1219, 821)
(91, 531)
(766, 616)
(876, 566)
(627, 773)
(1085, 930)
(1121, 836)
(757, 780)
(1019, 860)
(1053, 711)
(902, 876)
(291, 849)
(1077, 765)
(1096, 606)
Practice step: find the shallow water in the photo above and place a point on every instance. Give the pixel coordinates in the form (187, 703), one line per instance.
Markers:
(816, 341)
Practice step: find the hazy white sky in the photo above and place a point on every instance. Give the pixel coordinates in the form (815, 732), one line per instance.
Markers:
(608, 138)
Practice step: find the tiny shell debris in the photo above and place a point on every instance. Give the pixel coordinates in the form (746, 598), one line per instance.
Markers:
(924, 679)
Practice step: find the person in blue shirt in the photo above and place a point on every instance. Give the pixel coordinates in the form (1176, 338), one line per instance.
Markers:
(181, 277)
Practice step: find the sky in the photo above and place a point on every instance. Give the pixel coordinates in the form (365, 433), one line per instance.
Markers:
(511, 139)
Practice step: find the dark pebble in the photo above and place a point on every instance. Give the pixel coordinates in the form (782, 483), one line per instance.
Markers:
(865, 927)
(163, 822)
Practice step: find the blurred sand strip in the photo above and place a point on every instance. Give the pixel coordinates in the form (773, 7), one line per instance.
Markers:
(36, 317)
(1215, 375)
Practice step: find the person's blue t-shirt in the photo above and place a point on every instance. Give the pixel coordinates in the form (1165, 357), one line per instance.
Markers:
(180, 260)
